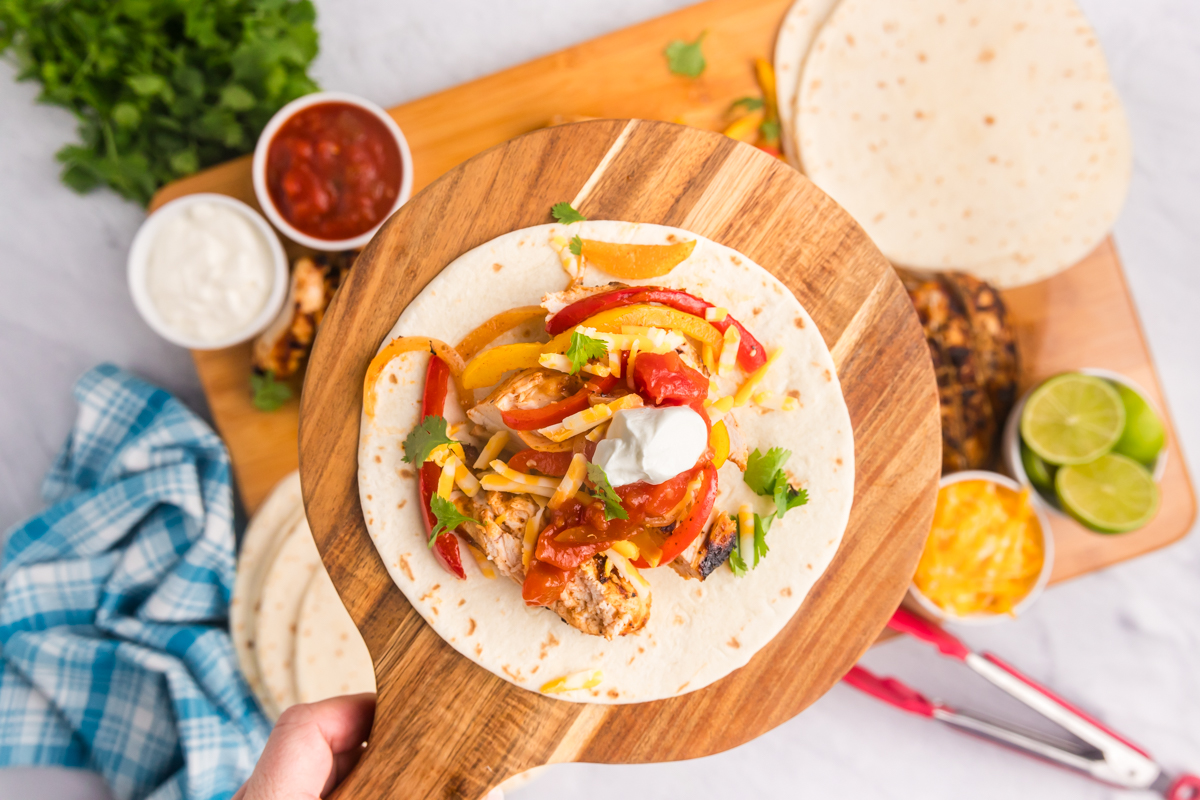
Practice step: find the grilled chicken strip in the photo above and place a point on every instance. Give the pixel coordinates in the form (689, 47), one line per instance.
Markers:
(532, 388)
(709, 551)
(599, 600)
(283, 346)
(555, 302)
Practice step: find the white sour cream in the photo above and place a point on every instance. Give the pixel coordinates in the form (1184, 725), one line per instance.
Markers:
(209, 272)
(651, 444)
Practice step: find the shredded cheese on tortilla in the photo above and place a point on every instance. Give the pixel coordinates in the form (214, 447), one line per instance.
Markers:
(571, 481)
(583, 421)
(716, 314)
(746, 389)
(446, 481)
(588, 679)
(533, 527)
(729, 350)
(493, 448)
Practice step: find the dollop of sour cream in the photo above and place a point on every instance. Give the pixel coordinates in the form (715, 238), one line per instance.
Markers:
(651, 444)
(209, 272)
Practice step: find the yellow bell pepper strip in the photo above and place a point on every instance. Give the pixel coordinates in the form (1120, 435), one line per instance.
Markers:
(635, 261)
(490, 365)
(745, 128)
(502, 323)
(718, 439)
(649, 316)
(397, 347)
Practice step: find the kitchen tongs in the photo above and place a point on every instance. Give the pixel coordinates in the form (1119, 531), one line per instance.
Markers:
(1099, 752)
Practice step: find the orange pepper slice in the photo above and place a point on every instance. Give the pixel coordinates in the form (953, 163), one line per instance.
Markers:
(636, 261)
(397, 347)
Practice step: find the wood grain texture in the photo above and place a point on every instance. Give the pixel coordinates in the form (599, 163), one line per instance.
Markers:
(1082, 317)
(444, 726)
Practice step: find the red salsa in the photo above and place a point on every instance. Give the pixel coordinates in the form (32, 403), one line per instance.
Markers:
(333, 170)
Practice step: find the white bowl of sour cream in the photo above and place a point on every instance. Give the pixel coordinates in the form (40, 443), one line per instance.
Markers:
(206, 271)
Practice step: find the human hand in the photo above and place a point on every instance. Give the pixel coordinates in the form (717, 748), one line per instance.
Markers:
(312, 747)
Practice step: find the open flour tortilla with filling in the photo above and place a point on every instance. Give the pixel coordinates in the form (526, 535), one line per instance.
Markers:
(698, 631)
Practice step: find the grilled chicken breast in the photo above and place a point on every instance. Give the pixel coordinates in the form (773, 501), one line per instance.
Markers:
(708, 551)
(600, 600)
(283, 346)
(532, 388)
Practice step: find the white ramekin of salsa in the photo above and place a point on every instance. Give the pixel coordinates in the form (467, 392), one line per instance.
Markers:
(329, 168)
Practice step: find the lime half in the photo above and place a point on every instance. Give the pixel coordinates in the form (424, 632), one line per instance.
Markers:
(1072, 419)
(1112, 494)
(1144, 436)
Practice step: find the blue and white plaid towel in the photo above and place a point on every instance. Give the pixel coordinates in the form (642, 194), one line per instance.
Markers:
(116, 656)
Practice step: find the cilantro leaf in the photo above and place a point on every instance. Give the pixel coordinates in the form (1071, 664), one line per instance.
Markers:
(686, 58)
(787, 498)
(448, 517)
(160, 90)
(583, 349)
(769, 129)
(747, 103)
(577, 246)
(564, 213)
(764, 474)
(612, 501)
(421, 440)
(762, 470)
(761, 526)
(269, 395)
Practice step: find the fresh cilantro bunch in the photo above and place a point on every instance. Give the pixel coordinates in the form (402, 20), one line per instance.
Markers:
(164, 88)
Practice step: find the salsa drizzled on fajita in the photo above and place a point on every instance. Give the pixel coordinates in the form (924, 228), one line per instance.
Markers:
(596, 454)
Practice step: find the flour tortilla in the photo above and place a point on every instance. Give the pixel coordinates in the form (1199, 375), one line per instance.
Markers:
(698, 631)
(796, 35)
(282, 593)
(967, 134)
(266, 532)
(331, 657)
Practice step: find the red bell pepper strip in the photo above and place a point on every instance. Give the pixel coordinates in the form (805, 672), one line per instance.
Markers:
(433, 403)
(691, 527)
(751, 354)
(530, 419)
(550, 464)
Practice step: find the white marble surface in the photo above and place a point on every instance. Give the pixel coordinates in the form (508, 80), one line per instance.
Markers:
(1124, 643)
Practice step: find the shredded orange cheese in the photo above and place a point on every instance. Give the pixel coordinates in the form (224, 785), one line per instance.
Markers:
(985, 551)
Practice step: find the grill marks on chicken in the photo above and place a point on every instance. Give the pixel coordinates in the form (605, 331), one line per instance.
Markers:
(284, 345)
(708, 551)
(598, 600)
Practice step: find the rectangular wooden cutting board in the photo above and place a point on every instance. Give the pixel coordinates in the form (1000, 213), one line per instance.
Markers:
(1083, 317)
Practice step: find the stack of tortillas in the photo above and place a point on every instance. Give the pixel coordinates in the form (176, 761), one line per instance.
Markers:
(974, 135)
(295, 640)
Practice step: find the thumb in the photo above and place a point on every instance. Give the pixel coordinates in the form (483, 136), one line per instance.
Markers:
(310, 749)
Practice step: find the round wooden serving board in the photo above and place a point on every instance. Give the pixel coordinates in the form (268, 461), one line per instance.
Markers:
(445, 727)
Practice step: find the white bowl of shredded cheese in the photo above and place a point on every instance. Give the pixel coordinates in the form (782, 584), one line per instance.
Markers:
(206, 271)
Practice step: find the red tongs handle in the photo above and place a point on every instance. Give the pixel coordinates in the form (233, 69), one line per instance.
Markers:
(907, 622)
(889, 690)
(1185, 787)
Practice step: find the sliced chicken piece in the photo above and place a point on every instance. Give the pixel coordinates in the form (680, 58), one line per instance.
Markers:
(283, 346)
(708, 551)
(599, 600)
(555, 302)
(739, 451)
(532, 388)
(502, 542)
